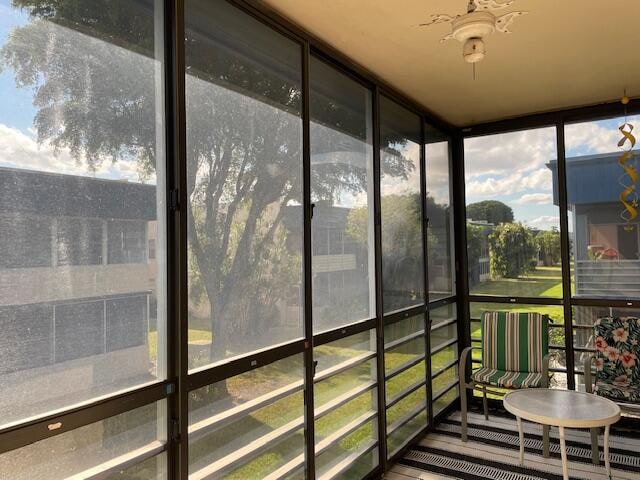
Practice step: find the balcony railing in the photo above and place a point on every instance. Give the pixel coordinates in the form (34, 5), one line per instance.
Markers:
(610, 278)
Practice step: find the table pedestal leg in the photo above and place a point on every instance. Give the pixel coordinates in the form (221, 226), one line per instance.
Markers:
(545, 441)
(607, 463)
(563, 454)
(595, 453)
(521, 434)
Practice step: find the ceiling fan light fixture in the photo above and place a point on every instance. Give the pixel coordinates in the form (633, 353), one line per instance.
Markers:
(473, 50)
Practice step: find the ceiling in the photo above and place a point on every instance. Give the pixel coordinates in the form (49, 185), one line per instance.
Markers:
(563, 54)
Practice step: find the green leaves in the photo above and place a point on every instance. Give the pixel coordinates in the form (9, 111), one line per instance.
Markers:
(512, 250)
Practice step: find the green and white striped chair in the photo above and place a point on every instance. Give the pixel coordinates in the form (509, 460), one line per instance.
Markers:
(515, 354)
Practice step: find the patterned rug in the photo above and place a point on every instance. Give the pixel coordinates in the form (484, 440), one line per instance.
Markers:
(492, 452)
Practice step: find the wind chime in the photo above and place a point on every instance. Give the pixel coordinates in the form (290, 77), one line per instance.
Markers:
(629, 179)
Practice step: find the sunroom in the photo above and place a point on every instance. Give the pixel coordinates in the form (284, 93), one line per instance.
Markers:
(293, 239)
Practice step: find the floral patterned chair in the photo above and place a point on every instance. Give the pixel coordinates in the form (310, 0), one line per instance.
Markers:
(617, 345)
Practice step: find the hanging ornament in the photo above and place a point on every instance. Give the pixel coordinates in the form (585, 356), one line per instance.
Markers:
(629, 180)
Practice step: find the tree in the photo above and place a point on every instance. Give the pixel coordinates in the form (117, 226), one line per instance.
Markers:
(91, 66)
(475, 238)
(491, 211)
(548, 243)
(512, 250)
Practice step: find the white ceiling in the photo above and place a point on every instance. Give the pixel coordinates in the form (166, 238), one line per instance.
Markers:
(564, 53)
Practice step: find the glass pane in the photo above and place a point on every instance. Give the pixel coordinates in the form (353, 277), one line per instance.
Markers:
(445, 400)
(250, 425)
(440, 214)
(404, 341)
(154, 468)
(401, 208)
(402, 435)
(92, 449)
(345, 401)
(81, 148)
(603, 210)
(405, 380)
(342, 192)
(444, 357)
(407, 407)
(401, 330)
(443, 335)
(244, 177)
(444, 380)
(441, 315)
(513, 239)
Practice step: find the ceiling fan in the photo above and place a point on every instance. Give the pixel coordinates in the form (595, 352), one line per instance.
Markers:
(479, 21)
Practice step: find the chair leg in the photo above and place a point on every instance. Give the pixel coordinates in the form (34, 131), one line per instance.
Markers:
(595, 452)
(463, 411)
(545, 441)
(485, 405)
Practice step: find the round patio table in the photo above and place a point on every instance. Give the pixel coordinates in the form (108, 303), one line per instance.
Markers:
(563, 409)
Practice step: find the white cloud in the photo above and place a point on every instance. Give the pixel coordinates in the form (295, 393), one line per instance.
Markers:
(545, 222)
(516, 182)
(535, 199)
(596, 137)
(509, 153)
(19, 150)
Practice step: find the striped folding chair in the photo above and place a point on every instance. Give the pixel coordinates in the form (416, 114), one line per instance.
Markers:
(515, 354)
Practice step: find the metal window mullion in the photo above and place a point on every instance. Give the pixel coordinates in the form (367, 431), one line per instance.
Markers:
(460, 241)
(176, 251)
(425, 269)
(382, 413)
(20, 435)
(309, 368)
(565, 255)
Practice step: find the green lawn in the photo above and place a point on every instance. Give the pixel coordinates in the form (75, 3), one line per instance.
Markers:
(542, 282)
(265, 379)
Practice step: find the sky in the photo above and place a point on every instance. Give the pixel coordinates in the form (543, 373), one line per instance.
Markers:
(512, 167)
(19, 147)
(509, 167)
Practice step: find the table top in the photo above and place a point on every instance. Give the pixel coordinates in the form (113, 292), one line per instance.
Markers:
(562, 408)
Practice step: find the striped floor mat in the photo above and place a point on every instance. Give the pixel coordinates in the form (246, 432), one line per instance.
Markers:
(492, 452)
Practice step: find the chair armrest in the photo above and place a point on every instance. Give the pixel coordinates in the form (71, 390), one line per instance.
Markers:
(588, 382)
(462, 364)
(545, 371)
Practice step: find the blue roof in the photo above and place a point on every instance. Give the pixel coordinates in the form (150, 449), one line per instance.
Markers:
(590, 179)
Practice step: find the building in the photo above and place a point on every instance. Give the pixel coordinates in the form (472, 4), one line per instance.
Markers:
(605, 248)
(77, 275)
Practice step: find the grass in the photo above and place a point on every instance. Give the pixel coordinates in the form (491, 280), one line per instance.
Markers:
(542, 282)
(257, 382)
(194, 335)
